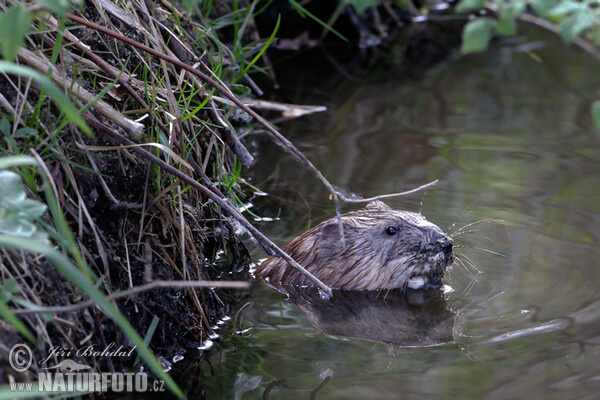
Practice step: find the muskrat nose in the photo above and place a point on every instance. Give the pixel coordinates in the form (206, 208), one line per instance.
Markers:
(438, 244)
(445, 244)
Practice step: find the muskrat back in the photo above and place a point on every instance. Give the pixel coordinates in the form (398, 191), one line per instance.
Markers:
(384, 249)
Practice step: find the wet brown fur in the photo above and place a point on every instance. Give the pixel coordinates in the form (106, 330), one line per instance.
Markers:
(372, 259)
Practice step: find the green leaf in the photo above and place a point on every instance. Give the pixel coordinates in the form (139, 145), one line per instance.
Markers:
(542, 7)
(476, 35)
(513, 10)
(8, 290)
(567, 7)
(469, 5)
(506, 27)
(11, 188)
(59, 7)
(5, 126)
(13, 161)
(15, 226)
(25, 132)
(596, 113)
(12, 319)
(507, 16)
(10, 286)
(52, 90)
(30, 209)
(575, 24)
(304, 12)
(362, 5)
(265, 47)
(14, 26)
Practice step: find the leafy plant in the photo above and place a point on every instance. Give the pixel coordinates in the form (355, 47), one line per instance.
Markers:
(17, 212)
(361, 6)
(14, 26)
(573, 19)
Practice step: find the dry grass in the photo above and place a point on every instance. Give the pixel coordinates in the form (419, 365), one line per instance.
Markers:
(134, 223)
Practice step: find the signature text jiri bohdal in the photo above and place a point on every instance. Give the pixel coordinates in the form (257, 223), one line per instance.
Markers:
(88, 351)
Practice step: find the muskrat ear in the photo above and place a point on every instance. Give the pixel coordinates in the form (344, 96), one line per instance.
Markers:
(378, 206)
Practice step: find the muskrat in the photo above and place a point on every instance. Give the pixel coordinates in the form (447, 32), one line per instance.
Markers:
(384, 249)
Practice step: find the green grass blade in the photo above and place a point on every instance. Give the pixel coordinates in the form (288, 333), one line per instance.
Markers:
(303, 11)
(52, 90)
(148, 337)
(12, 319)
(197, 109)
(15, 161)
(14, 27)
(260, 53)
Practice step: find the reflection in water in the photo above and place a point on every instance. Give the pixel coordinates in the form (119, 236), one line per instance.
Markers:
(401, 318)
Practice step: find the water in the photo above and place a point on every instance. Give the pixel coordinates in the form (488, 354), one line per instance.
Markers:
(509, 136)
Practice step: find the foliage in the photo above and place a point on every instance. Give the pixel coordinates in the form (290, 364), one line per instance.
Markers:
(303, 12)
(14, 26)
(574, 19)
(476, 35)
(362, 5)
(596, 113)
(17, 212)
(16, 20)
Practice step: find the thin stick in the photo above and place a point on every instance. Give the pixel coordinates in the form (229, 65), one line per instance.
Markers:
(137, 290)
(385, 196)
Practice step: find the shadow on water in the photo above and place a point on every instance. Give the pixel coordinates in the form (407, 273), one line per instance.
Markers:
(509, 135)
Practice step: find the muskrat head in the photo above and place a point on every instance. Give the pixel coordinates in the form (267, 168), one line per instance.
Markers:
(384, 249)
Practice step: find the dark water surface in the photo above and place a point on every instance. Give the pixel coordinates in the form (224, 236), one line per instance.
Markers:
(509, 136)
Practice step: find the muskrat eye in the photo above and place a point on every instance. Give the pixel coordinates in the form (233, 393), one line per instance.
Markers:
(391, 230)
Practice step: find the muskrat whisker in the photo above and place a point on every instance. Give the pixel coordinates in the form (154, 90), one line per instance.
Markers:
(466, 212)
(463, 234)
(469, 287)
(459, 234)
(492, 291)
(470, 262)
(466, 307)
(481, 221)
(457, 258)
(482, 249)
